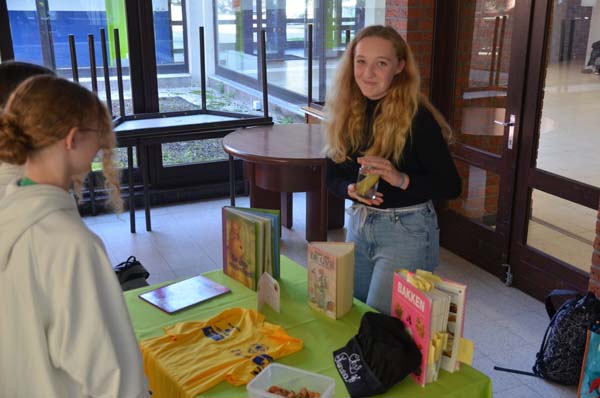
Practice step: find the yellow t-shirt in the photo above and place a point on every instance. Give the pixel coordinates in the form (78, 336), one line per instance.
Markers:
(192, 357)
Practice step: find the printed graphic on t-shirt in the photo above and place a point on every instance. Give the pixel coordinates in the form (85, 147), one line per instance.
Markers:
(216, 333)
(194, 356)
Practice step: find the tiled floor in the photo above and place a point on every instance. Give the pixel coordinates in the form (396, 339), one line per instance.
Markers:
(506, 324)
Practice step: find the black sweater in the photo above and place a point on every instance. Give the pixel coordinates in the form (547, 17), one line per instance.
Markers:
(425, 158)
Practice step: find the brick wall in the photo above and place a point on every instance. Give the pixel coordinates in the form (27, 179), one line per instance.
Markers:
(414, 20)
(595, 271)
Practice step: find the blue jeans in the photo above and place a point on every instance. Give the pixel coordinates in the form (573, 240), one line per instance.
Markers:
(386, 240)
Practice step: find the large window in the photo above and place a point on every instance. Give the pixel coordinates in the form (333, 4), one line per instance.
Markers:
(40, 32)
(41, 28)
(237, 34)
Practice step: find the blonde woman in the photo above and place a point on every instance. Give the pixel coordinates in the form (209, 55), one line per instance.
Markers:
(378, 121)
(65, 329)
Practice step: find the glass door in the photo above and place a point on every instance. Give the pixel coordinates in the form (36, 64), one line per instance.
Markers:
(558, 183)
(485, 111)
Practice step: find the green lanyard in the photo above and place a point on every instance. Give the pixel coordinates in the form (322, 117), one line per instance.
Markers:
(25, 181)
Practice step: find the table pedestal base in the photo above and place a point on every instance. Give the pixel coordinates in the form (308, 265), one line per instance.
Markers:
(271, 187)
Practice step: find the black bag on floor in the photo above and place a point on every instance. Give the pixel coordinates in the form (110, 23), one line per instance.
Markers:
(131, 274)
(561, 353)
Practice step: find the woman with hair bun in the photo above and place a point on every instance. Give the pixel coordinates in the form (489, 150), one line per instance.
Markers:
(13, 73)
(65, 329)
(379, 123)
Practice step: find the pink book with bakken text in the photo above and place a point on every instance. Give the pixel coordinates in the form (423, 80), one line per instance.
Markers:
(413, 307)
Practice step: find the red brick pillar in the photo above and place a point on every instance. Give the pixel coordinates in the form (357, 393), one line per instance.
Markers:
(414, 20)
(595, 271)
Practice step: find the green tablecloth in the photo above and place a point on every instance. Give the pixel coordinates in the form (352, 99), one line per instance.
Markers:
(321, 335)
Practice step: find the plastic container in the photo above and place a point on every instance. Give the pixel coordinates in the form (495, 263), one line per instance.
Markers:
(291, 379)
(366, 184)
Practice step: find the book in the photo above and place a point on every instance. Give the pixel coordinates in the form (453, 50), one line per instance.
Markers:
(589, 381)
(183, 294)
(425, 315)
(330, 268)
(455, 323)
(271, 238)
(250, 244)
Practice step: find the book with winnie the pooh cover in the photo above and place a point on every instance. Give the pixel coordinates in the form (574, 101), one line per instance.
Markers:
(250, 244)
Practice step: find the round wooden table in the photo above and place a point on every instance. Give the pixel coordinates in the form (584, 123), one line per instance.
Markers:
(282, 159)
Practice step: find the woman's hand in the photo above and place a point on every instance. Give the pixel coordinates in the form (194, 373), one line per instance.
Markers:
(371, 202)
(385, 170)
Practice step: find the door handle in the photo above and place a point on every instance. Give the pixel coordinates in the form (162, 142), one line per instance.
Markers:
(511, 131)
(505, 124)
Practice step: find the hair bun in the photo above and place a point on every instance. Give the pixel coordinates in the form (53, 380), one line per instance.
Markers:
(13, 131)
(15, 145)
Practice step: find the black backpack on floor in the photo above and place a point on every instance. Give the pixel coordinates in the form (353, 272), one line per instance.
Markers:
(561, 353)
(131, 274)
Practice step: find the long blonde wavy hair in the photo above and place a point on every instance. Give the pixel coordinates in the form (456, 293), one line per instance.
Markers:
(345, 104)
(42, 110)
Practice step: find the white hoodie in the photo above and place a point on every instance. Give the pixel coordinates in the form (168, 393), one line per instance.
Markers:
(64, 328)
(8, 173)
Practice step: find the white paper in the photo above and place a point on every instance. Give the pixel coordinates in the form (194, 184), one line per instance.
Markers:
(268, 292)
